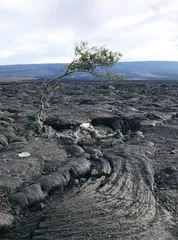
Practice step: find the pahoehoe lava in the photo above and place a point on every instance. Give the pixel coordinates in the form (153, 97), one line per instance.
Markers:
(118, 187)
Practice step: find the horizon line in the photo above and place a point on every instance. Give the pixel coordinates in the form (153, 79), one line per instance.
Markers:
(15, 64)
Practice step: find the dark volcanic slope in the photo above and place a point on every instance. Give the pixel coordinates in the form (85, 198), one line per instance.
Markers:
(163, 70)
(118, 187)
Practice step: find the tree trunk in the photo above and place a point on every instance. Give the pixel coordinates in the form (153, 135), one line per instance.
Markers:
(40, 114)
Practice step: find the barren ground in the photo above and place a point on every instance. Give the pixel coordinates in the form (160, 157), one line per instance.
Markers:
(122, 187)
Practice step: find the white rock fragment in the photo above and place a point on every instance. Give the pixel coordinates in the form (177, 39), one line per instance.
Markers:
(86, 130)
(139, 134)
(86, 126)
(6, 220)
(24, 154)
(151, 144)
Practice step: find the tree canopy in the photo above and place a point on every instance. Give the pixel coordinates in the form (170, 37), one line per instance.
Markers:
(93, 60)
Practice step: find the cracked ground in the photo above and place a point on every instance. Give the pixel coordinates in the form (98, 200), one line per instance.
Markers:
(121, 187)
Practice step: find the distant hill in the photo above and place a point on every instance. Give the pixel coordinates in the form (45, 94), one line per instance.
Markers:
(139, 70)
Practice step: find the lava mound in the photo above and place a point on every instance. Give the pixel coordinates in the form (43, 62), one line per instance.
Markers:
(107, 169)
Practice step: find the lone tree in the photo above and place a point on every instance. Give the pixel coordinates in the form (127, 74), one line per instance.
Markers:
(93, 60)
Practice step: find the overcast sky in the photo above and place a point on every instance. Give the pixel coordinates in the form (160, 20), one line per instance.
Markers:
(39, 31)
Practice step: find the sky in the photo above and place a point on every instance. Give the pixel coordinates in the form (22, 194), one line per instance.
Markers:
(43, 31)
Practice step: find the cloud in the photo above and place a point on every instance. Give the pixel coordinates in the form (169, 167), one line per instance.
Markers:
(46, 31)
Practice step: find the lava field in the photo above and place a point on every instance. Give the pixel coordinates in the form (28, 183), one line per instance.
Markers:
(109, 172)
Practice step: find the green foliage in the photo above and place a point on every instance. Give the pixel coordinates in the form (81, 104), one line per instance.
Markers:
(123, 76)
(93, 60)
